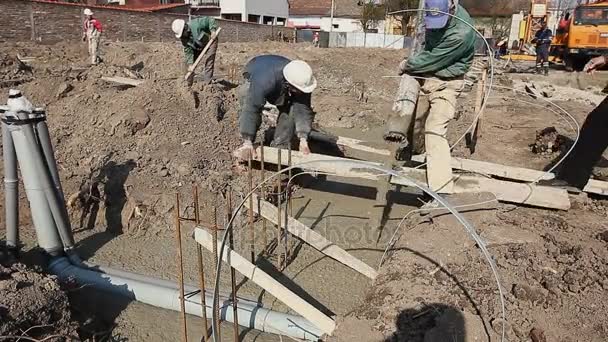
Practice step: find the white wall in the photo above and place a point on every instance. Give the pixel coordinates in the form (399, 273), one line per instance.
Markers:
(232, 6)
(344, 24)
(269, 8)
(305, 21)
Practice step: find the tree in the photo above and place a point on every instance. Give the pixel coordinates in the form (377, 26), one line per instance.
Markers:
(405, 17)
(371, 14)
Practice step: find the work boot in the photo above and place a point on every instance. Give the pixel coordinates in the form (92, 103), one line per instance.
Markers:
(559, 183)
(546, 71)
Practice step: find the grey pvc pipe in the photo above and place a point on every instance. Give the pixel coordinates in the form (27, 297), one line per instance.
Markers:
(11, 189)
(165, 294)
(30, 152)
(46, 230)
(44, 138)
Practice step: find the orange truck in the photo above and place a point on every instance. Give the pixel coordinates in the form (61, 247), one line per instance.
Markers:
(584, 36)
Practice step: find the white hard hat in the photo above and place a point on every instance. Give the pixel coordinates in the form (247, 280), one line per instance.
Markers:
(299, 74)
(178, 27)
(88, 11)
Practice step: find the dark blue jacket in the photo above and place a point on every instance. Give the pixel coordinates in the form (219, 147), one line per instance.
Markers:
(543, 37)
(267, 84)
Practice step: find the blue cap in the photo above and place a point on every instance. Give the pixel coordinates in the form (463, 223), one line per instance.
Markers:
(436, 20)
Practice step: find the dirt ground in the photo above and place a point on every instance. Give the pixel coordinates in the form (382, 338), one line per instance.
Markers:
(124, 152)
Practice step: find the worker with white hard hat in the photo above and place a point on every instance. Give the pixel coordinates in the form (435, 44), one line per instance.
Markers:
(284, 83)
(194, 36)
(92, 34)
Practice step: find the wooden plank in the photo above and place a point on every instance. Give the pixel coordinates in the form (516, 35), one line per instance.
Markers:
(597, 187)
(314, 239)
(267, 282)
(486, 168)
(539, 196)
(123, 80)
(475, 133)
(492, 169)
(510, 192)
(192, 68)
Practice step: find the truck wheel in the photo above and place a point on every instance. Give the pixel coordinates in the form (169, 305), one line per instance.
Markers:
(569, 63)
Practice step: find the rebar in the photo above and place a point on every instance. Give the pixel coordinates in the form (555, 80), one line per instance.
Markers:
(263, 194)
(180, 269)
(216, 305)
(233, 272)
(288, 207)
(467, 226)
(199, 254)
(279, 217)
(251, 228)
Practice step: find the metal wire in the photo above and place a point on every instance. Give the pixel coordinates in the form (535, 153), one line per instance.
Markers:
(390, 244)
(367, 165)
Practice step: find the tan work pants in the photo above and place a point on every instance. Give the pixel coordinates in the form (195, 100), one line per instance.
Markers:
(442, 96)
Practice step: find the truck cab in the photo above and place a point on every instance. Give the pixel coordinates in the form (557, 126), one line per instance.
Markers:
(587, 35)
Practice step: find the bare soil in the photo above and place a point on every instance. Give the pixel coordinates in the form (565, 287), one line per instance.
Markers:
(124, 153)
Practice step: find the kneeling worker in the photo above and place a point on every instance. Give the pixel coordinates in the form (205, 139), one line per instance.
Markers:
(194, 37)
(284, 83)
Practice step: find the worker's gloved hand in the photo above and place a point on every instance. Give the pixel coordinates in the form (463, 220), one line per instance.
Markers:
(403, 67)
(244, 152)
(594, 64)
(304, 146)
(84, 38)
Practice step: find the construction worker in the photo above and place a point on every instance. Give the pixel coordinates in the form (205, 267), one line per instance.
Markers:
(284, 83)
(447, 56)
(542, 39)
(92, 34)
(194, 37)
(593, 141)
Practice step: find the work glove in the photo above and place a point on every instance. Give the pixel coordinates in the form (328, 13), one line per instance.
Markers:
(84, 38)
(403, 67)
(594, 64)
(242, 153)
(304, 146)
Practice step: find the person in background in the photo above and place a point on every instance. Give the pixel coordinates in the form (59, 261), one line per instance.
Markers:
(92, 34)
(564, 24)
(447, 56)
(284, 83)
(315, 39)
(194, 37)
(542, 39)
(593, 141)
(501, 48)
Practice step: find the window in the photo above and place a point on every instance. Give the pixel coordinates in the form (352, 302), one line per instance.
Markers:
(236, 17)
(252, 18)
(280, 21)
(336, 26)
(591, 16)
(268, 20)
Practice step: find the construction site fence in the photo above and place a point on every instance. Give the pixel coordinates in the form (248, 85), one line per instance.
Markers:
(51, 22)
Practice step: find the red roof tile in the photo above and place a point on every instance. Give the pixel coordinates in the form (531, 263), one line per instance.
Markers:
(113, 7)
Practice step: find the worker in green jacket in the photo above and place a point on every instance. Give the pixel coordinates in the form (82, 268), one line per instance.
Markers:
(447, 56)
(194, 37)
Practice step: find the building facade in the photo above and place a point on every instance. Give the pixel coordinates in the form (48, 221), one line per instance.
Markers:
(317, 15)
(269, 12)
